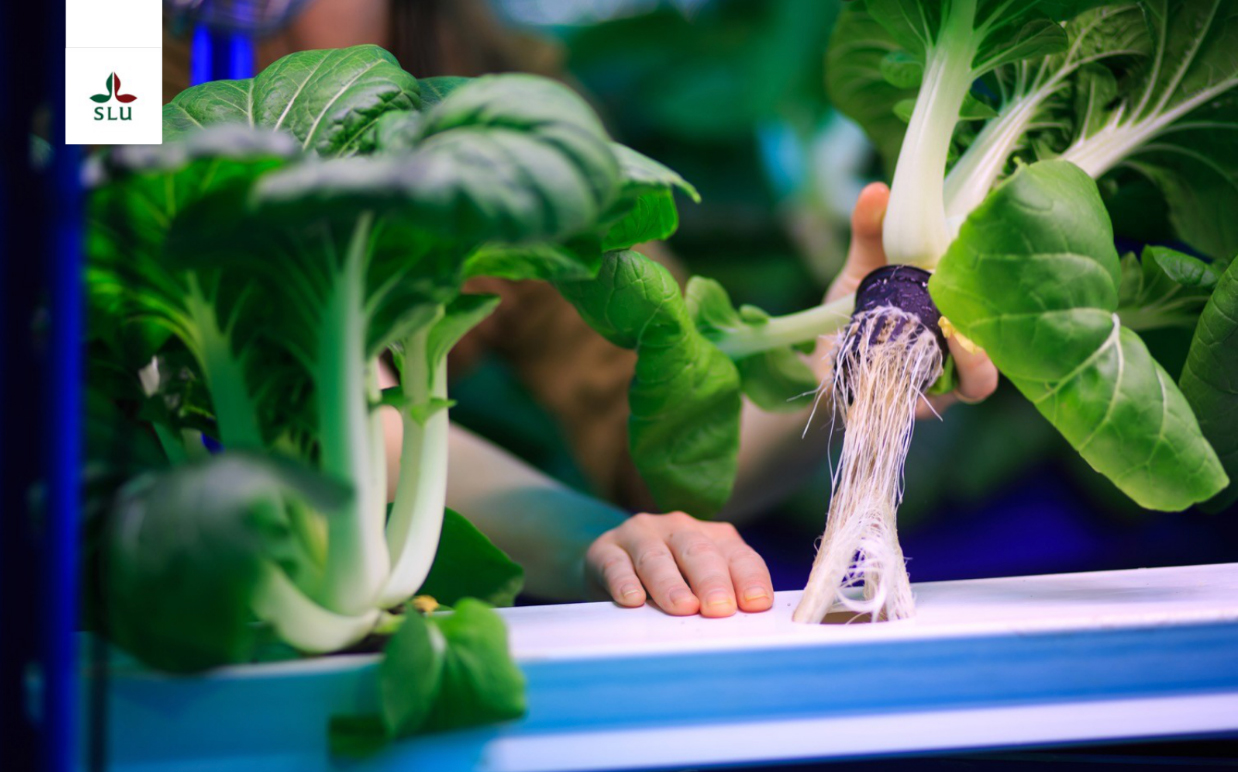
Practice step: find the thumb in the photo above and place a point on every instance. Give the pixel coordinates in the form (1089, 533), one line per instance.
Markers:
(866, 253)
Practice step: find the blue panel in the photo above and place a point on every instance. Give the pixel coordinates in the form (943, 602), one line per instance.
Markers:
(275, 718)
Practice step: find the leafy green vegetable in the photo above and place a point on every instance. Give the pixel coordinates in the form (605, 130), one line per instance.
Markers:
(685, 398)
(1173, 120)
(328, 100)
(1210, 378)
(246, 277)
(1033, 278)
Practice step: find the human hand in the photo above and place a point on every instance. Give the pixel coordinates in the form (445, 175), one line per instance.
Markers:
(686, 565)
(977, 377)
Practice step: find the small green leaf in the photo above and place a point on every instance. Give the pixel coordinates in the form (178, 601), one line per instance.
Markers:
(777, 380)
(1210, 378)
(410, 676)
(468, 565)
(480, 684)
(975, 110)
(901, 70)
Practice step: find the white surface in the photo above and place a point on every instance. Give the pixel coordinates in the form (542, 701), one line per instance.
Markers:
(113, 23)
(1099, 600)
(865, 735)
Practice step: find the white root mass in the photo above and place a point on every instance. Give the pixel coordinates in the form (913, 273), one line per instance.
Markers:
(884, 361)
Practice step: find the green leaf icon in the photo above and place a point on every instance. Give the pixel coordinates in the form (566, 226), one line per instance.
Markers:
(101, 98)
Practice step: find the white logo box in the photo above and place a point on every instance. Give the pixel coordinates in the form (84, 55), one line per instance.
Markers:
(88, 72)
(113, 23)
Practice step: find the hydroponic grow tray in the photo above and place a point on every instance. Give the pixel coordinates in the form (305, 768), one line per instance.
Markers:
(991, 663)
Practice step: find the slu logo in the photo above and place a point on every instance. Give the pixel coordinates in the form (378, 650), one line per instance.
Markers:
(110, 113)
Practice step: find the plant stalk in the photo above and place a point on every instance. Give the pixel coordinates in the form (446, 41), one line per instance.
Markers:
(421, 493)
(916, 231)
(357, 560)
(792, 329)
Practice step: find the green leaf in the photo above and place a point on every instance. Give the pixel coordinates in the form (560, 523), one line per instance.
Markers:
(1164, 288)
(857, 84)
(685, 399)
(902, 70)
(461, 315)
(653, 217)
(327, 99)
(1174, 120)
(435, 90)
(468, 565)
(480, 683)
(647, 201)
(185, 554)
(1033, 279)
(504, 158)
(1209, 380)
(449, 672)
(777, 380)
(410, 676)
(575, 259)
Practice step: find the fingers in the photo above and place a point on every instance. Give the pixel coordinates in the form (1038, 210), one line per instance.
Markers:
(977, 380)
(977, 375)
(612, 568)
(866, 252)
(750, 577)
(684, 565)
(657, 568)
(701, 561)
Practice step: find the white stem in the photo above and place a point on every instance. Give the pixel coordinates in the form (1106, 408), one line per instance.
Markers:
(421, 492)
(789, 330)
(916, 231)
(357, 560)
(301, 622)
(1119, 139)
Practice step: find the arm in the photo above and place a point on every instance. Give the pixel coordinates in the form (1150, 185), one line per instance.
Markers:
(572, 545)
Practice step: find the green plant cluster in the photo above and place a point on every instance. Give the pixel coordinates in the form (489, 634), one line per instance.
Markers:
(247, 281)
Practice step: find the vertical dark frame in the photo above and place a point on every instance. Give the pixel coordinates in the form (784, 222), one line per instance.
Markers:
(40, 398)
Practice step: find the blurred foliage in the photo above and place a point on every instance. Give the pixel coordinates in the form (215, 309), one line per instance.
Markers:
(697, 91)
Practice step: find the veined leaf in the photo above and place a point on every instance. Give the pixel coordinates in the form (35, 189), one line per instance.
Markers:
(646, 200)
(1210, 378)
(685, 399)
(1033, 278)
(328, 99)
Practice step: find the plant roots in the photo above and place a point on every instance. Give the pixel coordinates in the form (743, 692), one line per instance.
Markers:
(884, 361)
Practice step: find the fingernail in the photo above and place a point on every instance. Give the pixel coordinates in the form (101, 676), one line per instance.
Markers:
(718, 599)
(680, 597)
(753, 594)
(631, 592)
